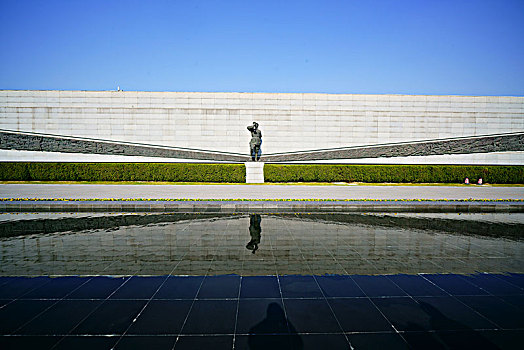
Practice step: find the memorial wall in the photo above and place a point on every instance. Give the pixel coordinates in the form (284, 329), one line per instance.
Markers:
(289, 122)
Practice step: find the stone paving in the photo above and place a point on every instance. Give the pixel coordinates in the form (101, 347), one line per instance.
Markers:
(258, 191)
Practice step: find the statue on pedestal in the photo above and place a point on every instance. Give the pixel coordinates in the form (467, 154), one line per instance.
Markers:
(256, 142)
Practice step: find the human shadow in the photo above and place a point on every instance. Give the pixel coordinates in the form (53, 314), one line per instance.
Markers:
(255, 232)
(274, 332)
(447, 333)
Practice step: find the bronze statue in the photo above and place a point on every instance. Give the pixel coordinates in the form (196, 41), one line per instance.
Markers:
(256, 142)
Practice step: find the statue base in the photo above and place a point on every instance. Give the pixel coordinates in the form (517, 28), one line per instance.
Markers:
(254, 172)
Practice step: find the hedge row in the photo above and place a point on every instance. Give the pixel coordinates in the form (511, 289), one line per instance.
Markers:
(197, 172)
(393, 173)
(176, 172)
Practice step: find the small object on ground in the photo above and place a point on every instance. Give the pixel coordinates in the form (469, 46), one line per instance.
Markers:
(479, 182)
(466, 182)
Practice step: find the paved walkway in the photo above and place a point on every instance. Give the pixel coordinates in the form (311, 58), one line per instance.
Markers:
(258, 191)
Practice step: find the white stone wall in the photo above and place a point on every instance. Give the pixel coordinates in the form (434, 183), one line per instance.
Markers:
(289, 122)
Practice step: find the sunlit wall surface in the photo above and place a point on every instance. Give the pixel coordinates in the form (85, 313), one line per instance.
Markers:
(289, 122)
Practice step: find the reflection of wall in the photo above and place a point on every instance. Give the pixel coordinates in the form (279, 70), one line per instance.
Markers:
(449, 224)
(467, 224)
(289, 122)
(79, 222)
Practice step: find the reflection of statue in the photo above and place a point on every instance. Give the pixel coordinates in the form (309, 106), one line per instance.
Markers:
(274, 323)
(254, 231)
(256, 142)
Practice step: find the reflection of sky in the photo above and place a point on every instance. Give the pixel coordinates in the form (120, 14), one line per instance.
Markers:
(291, 244)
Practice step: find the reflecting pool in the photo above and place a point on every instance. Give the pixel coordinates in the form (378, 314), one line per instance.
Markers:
(283, 281)
(308, 244)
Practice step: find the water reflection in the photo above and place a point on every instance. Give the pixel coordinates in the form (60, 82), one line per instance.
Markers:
(200, 244)
(17, 224)
(274, 323)
(254, 231)
(451, 223)
(510, 226)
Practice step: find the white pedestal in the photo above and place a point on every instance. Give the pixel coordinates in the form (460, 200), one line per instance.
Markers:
(254, 172)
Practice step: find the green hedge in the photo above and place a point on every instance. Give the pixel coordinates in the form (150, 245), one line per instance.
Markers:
(199, 172)
(176, 172)
(393, 173)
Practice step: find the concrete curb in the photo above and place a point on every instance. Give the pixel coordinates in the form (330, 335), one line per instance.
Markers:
(261, 206)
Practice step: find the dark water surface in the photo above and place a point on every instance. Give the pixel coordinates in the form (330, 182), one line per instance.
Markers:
(272, 281)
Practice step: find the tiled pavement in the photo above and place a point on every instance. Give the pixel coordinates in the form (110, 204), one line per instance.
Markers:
(240, 312)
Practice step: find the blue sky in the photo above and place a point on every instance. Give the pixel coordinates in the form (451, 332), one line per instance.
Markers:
(403, 47)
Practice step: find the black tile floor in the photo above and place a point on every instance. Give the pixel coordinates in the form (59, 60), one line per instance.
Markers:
(263, 312)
